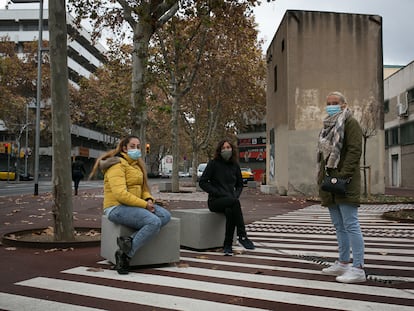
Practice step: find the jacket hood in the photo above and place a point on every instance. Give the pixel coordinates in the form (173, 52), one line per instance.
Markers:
(107, 163)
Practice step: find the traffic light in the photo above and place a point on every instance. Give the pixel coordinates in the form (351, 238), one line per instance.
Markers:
(7, 148)
(147, 148)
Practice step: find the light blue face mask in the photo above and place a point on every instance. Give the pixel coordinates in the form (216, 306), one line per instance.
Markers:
(134, 154)
(333, 109)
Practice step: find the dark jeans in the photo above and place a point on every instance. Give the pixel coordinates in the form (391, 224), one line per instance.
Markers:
(76, 177)
(234, 216)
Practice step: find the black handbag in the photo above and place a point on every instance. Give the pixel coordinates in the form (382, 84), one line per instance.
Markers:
(335, 185)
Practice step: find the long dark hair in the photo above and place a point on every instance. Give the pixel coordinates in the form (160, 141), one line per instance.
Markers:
(217, 155)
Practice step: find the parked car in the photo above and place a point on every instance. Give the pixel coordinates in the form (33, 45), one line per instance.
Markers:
(27, 177)
(200, 169)
(153, 174)
(247, 174)
(182, 174)
(166, 174)
(3, 175)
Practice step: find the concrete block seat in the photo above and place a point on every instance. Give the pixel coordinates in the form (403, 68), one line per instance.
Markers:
(200, 228)
(163, 248)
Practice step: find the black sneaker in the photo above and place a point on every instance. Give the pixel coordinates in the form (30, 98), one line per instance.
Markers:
(228, 250)
(122, 262)
(247, 244)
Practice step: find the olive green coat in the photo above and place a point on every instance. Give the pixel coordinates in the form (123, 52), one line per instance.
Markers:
(349, 166)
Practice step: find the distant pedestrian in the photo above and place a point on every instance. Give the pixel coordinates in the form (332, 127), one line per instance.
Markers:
(223, 182)
(339, 153)
(127, 199)
(78, 172)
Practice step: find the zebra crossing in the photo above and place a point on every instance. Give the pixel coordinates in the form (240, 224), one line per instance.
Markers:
(282, 273)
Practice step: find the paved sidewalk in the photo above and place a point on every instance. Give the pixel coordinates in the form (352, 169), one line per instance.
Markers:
(294, 240)
(26, 212)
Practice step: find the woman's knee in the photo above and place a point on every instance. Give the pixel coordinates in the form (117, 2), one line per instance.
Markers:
(154, 223)
(165, 218)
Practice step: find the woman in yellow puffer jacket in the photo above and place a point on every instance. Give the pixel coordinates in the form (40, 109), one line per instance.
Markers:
(127, 199)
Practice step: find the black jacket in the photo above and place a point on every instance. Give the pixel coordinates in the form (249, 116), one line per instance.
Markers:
(221, 179)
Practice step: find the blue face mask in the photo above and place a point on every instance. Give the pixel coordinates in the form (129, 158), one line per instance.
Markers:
(134, 154)
(333, 109)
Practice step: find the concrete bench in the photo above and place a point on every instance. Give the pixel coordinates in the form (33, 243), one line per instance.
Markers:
(165, 187)
(200, 228)
(252, 184)
(163, 248)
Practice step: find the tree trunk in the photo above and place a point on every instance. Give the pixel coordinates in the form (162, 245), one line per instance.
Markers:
(365, 164)
(194, 165)
(61, 139)
(175, 142)
(142, 35)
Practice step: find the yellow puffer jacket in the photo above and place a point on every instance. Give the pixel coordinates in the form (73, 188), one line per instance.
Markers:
(123, 182)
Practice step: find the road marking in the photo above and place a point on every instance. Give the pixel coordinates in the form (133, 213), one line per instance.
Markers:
(21, 303)
(209, 276)
(181, 303)
(133, 296)
(239, 276)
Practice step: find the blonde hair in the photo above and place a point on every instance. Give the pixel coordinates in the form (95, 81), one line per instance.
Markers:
(338, 94)
(117, 151)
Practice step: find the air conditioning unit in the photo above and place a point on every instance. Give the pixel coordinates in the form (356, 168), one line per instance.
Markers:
(402, 107)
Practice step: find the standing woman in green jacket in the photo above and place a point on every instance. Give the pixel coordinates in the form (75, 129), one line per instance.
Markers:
(339, 153)
(127, 199)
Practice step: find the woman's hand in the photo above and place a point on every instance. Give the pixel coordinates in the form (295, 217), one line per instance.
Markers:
(150, 206)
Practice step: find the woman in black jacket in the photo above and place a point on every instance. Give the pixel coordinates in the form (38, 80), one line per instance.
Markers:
(223, 182)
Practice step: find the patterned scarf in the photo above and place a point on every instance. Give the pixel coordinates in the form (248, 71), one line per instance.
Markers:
(331, 138)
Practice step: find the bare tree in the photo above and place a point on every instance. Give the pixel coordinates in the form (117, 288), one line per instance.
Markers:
(143, 18)
(369, 124)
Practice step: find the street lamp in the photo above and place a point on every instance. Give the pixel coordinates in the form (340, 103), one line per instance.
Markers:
(38, 92)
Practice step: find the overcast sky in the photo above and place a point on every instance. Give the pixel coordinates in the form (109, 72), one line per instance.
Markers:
(397, 19)
(397, 16)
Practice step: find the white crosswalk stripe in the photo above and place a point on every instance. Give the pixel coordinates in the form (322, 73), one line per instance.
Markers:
(282, 272)
(21, 303)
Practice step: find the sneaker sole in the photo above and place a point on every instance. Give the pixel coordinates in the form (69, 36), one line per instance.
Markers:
(351, 281)
(333, 273)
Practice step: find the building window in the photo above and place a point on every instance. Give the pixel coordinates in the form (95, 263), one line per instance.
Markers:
(275, 77)
(393, 136)
(386, 139)
(407, 133)
(8, 26)
(33, 25)
(283, 45)
(386, 106)
(410, 95)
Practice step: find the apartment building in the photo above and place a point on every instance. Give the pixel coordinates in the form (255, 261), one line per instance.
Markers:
(399, 127)
(84, 57)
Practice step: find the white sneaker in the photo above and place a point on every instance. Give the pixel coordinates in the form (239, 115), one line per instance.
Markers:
(336, 269)
(352, 275)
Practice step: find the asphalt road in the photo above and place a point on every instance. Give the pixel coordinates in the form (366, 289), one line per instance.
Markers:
(10, 188)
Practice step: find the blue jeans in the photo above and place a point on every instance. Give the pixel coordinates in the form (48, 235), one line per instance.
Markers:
(348, 233)
(146, 223)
